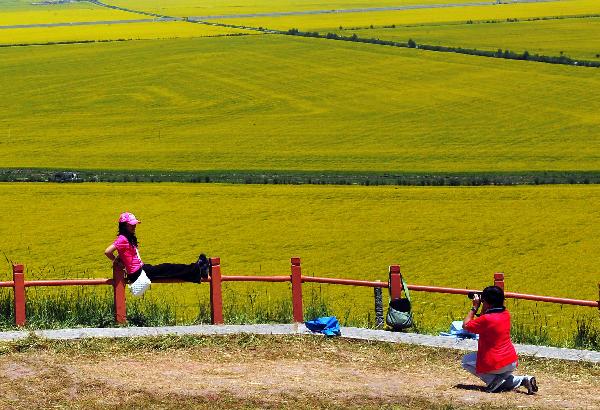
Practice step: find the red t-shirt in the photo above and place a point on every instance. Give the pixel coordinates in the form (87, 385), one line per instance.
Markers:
(495, 349)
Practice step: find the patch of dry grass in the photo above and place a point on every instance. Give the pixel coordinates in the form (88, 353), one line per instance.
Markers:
(249, 371)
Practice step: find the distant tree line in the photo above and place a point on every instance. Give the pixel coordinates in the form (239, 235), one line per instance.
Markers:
(300, 177)
(506, 54)
(508, 20)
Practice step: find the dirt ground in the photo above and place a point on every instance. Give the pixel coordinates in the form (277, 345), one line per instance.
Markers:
(273, 374)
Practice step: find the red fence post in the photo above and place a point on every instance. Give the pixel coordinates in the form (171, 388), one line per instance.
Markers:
(499, 280)
(395, 282)
(19, 289)
(296, 278)
(119, 295)
(216, 295)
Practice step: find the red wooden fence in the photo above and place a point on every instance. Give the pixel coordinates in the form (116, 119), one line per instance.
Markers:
(295, 278)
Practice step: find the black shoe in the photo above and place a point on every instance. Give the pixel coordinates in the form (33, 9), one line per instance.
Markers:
(203, 265)
(530, 384)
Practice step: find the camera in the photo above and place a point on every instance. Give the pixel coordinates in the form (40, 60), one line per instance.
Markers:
(471, 295)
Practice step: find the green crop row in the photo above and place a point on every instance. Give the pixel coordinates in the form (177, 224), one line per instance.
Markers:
(296, 177)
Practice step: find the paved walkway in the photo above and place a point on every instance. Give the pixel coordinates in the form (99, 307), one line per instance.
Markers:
(293, 329)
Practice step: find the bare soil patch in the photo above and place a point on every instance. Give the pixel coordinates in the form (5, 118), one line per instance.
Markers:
(269, 372)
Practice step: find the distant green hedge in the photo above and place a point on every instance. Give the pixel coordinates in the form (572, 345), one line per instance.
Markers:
(306, 177)
(506, 54)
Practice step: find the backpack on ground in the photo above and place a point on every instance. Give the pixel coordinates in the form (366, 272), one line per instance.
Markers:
(399, 315)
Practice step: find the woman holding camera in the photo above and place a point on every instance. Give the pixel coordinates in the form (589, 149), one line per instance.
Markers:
(496, 357)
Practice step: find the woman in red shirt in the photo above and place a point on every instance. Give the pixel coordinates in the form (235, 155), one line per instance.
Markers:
(496, 358)
(128, 257)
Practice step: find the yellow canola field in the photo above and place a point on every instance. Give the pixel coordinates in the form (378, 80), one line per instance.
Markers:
(576, 37)
(323, 22)
(63, 14)
(288, 103)
(132, 31)
(185, 8)
(543, 238)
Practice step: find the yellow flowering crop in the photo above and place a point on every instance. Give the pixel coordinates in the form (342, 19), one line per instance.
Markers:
(542, 238)
(185, 8)
(324, 22)
(69, 12)
(574, 37)
(287, 103)
(132, 31)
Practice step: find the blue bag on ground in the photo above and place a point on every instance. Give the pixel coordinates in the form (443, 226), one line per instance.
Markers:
(456, 330)
(329, 326)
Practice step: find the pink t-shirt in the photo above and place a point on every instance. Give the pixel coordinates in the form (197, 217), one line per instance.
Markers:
(128, 253)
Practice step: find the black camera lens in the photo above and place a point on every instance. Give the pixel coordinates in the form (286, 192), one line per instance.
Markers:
(471, 295)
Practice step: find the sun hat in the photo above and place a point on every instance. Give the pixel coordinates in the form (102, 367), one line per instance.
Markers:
(129, 218)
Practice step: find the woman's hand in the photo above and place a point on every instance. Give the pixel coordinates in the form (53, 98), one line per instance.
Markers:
(474, 309)
(110, 254)
(476, 301)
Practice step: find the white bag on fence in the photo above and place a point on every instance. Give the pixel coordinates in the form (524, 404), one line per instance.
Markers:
(141, 284)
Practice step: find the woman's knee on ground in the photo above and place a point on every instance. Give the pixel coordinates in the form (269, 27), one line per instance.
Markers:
(469, 360)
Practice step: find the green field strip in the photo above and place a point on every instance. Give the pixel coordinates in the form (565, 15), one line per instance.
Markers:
(542, 238)
(573, 37)
(300, 177)
(291, 104)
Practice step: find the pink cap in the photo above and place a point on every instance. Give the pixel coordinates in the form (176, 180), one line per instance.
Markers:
(129, 218)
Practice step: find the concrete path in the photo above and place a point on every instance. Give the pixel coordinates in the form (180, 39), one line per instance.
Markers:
(297, 329)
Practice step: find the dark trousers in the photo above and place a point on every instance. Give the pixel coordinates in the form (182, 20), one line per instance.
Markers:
(188, 273)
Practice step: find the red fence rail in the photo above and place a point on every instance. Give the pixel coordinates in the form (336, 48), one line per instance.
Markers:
(394, 284)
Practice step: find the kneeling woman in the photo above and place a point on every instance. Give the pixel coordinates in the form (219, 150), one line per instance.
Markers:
(128, 256)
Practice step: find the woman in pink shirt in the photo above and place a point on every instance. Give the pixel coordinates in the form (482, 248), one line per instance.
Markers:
(128, 257)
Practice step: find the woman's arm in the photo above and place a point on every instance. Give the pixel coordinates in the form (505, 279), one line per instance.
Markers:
(471, 314)
(110, 254)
